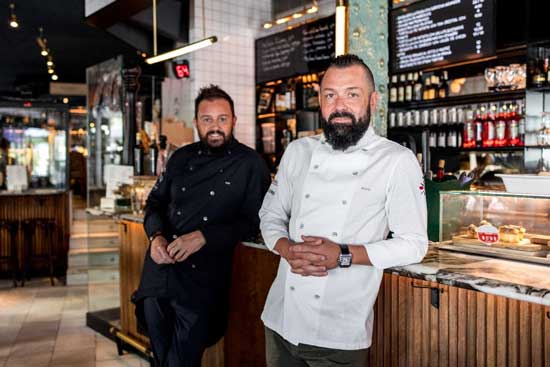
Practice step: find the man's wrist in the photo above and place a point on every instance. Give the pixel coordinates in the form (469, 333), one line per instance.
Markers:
(282, 246)
(155, 235)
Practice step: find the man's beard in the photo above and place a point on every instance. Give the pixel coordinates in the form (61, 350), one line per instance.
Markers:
(342, 136)
(215, 148)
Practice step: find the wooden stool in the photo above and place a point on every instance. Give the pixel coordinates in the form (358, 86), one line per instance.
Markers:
(12, 228)
(48, 229)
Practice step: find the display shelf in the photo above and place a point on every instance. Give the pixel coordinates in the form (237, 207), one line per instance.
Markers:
(460, 100)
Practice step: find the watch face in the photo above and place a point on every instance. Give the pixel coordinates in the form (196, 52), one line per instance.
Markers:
(344, 261)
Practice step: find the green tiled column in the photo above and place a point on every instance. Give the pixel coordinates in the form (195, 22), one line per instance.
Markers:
(368, 38)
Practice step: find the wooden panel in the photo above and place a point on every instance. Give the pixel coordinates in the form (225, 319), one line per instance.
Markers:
(253, 273)
(513, 340)
(443, 325)
(22, 207)
(471, 329)
(461, 329)
(480, 338)
(546, 336)
(537, 332)
(490, 329)
(525, 332)
(502, 331)
(404, 290)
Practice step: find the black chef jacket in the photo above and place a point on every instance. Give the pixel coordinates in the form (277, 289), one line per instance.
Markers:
(219, 194)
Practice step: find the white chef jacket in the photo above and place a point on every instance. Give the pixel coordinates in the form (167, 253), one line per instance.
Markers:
(354, 196)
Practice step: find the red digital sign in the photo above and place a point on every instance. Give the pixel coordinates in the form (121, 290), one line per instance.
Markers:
(181, 69)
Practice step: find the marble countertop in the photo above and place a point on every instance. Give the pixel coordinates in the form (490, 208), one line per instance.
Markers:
(33, 192)
(512, 279)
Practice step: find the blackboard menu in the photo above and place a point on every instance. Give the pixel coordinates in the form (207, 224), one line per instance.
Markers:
(439, 32)
(301, 50)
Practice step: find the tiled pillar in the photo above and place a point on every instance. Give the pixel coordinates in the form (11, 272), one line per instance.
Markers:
(368, 38)
(228, 63)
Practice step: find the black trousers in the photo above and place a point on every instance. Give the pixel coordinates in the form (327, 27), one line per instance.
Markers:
(177, 333)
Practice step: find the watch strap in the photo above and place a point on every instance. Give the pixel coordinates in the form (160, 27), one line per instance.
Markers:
(344, 249)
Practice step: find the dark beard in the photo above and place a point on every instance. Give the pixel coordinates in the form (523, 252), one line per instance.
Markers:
(343, 136)
(215, 149)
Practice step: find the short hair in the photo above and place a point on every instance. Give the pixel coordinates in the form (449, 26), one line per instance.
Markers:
(210, 93)
(347, 60)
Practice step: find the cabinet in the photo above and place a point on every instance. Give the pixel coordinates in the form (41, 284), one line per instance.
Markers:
(469, 328)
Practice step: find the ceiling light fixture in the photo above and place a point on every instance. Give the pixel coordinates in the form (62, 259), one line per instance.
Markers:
(55, 77)
(313, 8)
(13, 18)
(205, 42)
(51, 71)
(44, 52)
(341, 27)
(50, 61)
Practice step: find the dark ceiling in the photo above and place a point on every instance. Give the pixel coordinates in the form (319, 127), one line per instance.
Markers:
(74, 44)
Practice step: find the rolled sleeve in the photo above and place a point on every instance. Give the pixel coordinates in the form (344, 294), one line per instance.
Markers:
(407, 217)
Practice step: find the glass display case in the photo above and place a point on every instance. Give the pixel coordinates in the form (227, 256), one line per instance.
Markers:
(498, 224)
(36, 138)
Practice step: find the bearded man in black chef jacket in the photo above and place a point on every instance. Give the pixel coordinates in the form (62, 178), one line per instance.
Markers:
(199, 209)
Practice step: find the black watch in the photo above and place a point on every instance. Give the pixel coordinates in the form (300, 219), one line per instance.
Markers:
(344, 260)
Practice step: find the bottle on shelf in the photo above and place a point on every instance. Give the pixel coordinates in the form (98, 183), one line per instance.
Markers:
(152, 158)
(432, 91)
(488, 136)
(478, 126)
(513, 133)
(401, 88)
(393, 89)
(409, 88)
(425, 90)
(538, 76)
(417, 87)
(501, 139)
(139, 153)
(163, 155)
(440, 174)
(521, 121)
(443, 88)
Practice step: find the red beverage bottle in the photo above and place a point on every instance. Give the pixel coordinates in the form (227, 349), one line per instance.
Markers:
(488, 135)
(501, 137)
(468, 134)
(513, 128)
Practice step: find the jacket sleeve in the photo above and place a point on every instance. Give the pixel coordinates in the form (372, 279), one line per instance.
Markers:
(246, 223)
(276, 208)
(407, 217)
(156, 205)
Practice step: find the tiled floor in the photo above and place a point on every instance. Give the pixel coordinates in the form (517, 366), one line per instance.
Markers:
(44, 326)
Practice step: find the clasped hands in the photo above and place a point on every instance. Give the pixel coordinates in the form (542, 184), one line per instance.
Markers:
(312, 257)
(178, 250)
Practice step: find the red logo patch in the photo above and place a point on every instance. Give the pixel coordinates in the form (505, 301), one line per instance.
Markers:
(422, 188)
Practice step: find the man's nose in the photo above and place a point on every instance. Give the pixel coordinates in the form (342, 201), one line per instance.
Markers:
(340, 104)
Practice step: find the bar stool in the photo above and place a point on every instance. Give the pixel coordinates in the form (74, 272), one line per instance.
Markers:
(12, 228)
(47, 228)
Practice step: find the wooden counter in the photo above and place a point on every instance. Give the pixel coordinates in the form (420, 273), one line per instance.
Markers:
(417, 322)
(54, 204)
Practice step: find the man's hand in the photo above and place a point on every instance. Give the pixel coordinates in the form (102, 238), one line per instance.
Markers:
(158, 251)
(319, 246)
(304, 263)
(184, 246)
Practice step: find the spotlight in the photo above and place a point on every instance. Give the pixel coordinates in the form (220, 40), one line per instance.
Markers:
(50, 61)
(54, 77)
(50, 71)
(268, 25)
(13, 18)
(44, 52)
(65, 100)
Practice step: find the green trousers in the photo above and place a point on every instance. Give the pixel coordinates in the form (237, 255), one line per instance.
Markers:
(280, 353)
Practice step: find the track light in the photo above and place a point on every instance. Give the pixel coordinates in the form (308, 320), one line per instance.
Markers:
(44, 52)
(54, 77)
(50, 61)
(182, 50)
(268, 25)
(313, 8)
(13, 18)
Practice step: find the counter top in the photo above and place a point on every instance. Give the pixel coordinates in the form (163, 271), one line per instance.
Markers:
(512, 279)
(137, 218)
(33, 192)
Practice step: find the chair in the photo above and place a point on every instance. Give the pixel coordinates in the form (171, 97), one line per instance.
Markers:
(12, 228)
(47, 228)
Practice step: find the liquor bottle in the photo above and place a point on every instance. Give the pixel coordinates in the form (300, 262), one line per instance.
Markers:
(152, 158)
(538, 76)
(489, 127)
(393, 89)
(401, 89)
(163, 155)
(425, 90)
(478, 126)
(417, 88)
(443, 89)
(138, 156)
(443, 129)
(440, 171)
(409, 88)
(521, 122)
(500, 126)
(468, 133)
(513, 128)
(432, 91)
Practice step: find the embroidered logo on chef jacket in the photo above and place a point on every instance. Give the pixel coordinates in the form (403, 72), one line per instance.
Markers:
(422, 188)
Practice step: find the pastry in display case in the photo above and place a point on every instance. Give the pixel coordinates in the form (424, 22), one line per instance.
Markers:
(497, 224)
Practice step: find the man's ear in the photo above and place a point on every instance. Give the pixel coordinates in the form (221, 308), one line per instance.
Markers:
(373, 102)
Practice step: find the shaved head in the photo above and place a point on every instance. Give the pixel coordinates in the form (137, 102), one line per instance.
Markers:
(344, 61)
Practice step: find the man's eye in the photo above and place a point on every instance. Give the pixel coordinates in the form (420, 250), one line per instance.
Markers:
(353, 95)
(223, 119)
(329, 95)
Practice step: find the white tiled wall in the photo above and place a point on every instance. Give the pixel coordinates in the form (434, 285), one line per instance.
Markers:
(228, 63)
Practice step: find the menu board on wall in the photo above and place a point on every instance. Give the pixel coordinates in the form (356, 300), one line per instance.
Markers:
(301, 50)
(440, 32)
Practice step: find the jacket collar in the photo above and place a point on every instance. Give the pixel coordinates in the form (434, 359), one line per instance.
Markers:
(364, 144)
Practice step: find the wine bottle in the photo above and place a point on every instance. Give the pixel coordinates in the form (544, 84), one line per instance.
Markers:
(138, 156)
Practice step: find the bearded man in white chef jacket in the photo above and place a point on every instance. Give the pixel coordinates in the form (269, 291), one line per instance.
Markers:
(328, 214)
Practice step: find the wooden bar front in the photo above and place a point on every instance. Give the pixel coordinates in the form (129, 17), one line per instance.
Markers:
(20, 207)
(465, 328)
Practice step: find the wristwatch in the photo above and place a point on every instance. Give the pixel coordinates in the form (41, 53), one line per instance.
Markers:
(344, 260)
